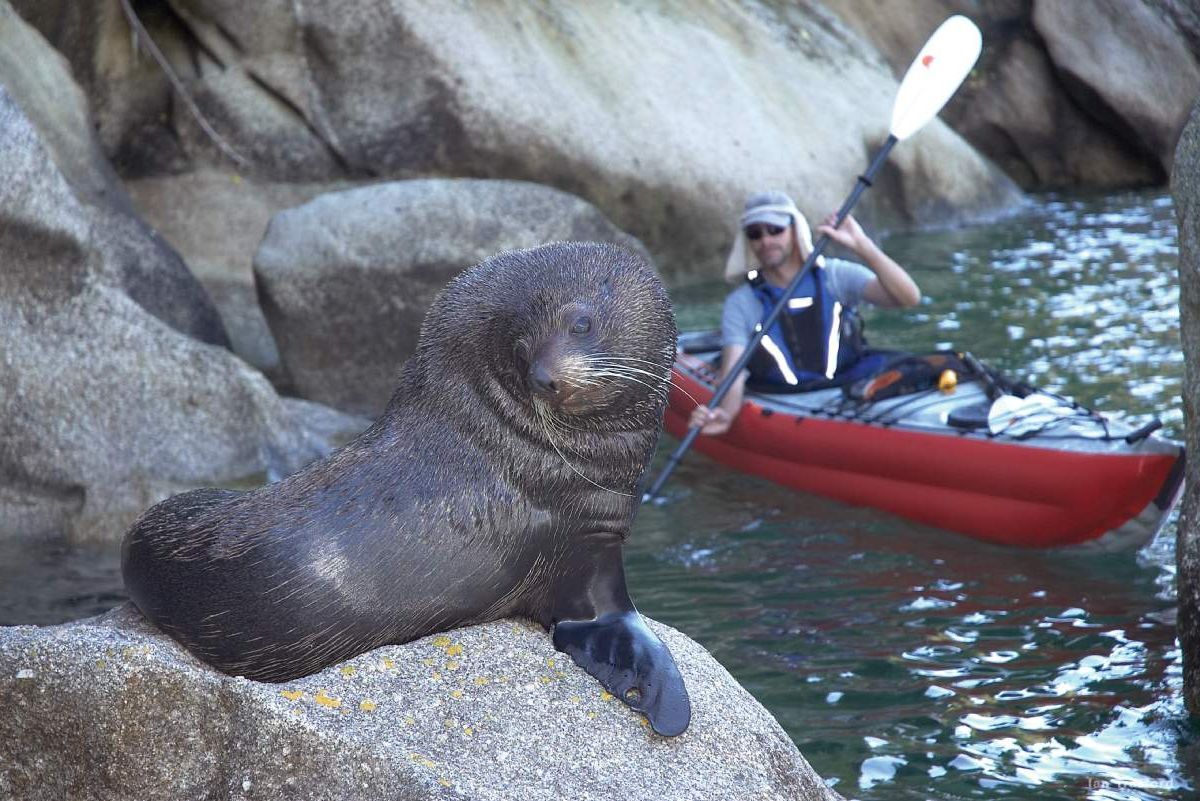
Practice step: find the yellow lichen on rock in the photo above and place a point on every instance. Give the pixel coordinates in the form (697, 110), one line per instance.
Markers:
(347, 671)
(423, 761)
(456, 694)
(442, 641)
(368, 705)
(326, 700)
(292, 695)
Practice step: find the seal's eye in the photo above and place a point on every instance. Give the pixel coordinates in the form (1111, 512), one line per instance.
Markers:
(582, 325)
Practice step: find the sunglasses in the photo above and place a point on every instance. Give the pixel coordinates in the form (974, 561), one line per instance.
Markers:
(755, 232)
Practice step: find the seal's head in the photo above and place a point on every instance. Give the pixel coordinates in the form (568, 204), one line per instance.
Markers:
(581, 330)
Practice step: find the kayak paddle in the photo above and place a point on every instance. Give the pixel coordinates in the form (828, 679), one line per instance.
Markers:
(935, 74)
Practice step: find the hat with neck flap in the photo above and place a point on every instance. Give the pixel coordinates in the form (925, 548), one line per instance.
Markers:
(767, 208)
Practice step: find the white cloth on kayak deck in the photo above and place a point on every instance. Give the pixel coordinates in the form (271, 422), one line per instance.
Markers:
(1015, 416)
(743, 310)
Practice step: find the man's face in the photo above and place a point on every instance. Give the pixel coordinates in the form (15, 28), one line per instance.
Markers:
(771, 250)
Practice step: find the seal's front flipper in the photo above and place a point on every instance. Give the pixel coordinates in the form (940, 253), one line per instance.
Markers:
(595, 622)
(632, 664)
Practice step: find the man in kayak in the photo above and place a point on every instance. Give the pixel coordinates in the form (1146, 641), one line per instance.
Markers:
(815, 339)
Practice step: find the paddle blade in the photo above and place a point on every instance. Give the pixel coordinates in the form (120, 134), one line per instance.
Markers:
(935, 74)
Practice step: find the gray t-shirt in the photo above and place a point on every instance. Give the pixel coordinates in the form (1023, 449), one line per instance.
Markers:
(743, 309)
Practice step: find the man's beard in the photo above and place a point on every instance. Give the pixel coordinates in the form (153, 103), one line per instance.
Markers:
(775, 258)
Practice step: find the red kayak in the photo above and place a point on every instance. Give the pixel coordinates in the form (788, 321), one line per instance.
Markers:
(1038, 471)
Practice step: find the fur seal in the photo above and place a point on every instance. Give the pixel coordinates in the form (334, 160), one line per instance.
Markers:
(502, 479)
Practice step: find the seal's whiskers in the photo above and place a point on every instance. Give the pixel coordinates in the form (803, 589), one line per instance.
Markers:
(619, 358)
(587, 370)
(609, 366)
(612, 374)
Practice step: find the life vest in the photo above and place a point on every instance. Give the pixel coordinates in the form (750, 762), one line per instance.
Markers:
(814, 338)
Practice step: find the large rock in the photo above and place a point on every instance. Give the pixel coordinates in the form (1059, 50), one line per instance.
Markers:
(216, 220)
(662, 116)
(130, 95)
(104, 409)
(1185, 187)
(1186, 17)
(1126, 62)
(109, 708)
(147, 128)
(346, 278)
(1015, 107)
(255, 88)
(47, 131)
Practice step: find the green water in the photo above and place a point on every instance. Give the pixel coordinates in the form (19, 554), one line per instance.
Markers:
(907, 662)
(911, 663)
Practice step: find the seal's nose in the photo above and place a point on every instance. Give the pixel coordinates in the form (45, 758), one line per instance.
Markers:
(542, 382)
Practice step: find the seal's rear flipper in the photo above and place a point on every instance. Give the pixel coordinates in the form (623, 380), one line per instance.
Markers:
(632, 664)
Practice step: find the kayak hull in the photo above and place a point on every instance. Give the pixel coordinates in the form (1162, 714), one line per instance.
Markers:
(1025, 493)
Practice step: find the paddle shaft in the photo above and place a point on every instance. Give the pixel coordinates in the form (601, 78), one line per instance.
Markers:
(864, 182)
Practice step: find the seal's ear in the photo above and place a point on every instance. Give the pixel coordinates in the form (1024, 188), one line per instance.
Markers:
(632, 664)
